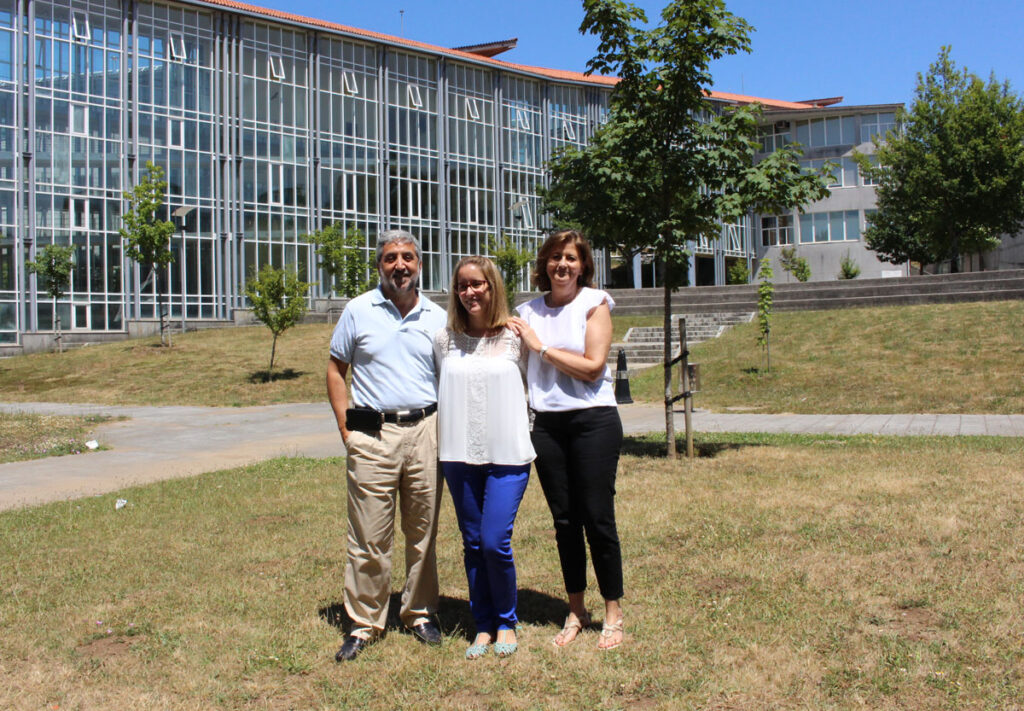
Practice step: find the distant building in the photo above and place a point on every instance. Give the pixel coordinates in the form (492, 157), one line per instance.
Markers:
(830, 229)
(271, 126)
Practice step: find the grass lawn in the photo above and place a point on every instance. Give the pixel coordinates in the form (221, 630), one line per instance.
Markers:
(785, 572)
(26, 436)
(935, 358)
(956, 358)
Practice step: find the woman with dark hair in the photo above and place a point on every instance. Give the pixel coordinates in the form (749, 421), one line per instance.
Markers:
(577, 432)
(484, 443)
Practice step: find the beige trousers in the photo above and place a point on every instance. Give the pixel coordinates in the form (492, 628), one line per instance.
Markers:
(399, 463)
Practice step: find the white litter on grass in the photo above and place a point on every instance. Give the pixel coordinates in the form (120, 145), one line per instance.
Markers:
(120, 503)
(92, 444)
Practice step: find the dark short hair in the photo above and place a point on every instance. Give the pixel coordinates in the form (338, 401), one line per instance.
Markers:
(458, 319)
(556, 241)
(400, 237)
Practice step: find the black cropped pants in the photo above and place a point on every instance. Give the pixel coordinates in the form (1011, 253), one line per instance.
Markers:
(577, 459)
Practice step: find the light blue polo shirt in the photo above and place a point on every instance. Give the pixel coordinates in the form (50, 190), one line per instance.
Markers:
(392, 358)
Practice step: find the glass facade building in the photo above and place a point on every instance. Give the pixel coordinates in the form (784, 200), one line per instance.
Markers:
(269, 127)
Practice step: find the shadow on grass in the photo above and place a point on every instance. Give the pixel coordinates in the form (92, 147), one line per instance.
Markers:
(453, 614)
(653, 447)
(264, 376)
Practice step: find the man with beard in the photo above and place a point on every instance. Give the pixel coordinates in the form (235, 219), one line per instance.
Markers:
(390, 433)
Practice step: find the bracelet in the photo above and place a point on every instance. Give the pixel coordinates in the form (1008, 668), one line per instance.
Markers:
(543, 350)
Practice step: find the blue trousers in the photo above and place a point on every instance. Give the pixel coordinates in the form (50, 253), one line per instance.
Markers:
(486, 498)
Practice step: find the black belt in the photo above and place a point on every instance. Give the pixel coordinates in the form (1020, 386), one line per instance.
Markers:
(406, 416)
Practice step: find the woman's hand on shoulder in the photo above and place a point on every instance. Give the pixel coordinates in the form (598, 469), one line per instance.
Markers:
(522, 329)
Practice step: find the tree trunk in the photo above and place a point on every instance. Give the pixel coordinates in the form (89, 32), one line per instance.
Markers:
(165, 336)
(60, 340)
(670, 429)
(273, 350)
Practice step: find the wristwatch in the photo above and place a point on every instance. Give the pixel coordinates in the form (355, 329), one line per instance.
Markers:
(543, 350)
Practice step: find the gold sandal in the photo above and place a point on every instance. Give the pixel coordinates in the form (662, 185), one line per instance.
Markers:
(574, 625)
(608, 631)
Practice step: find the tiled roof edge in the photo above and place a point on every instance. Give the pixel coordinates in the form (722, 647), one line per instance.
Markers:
(560, 74)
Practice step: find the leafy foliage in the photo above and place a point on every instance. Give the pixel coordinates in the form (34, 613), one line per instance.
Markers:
(53, 266)
(510, 260)
(147, 239)
(848, 268)
(667, 167)
(765, 298)
(951, 182)
(738, 272)
(278, 301)
(343, 257)
(795, 265)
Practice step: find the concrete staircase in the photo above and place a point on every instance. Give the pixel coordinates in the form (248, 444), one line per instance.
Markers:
(812, 296)
(644, 345)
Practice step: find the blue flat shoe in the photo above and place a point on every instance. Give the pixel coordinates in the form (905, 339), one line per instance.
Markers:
(475, 651)
(505, 649)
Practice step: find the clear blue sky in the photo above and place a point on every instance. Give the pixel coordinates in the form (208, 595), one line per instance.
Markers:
(868, 51)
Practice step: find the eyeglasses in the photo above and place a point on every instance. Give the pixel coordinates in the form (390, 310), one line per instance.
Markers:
(476, 285)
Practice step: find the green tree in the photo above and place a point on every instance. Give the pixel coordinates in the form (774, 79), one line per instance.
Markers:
(848, 268)
(510, 261)
(343, 258)
(793, 264)
(951, 180)
(738, 272)
(147, 239)
(53, 267)
(765, 299)
(668, 168)
(278, 300)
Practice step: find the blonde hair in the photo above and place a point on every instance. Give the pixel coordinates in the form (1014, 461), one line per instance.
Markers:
(497, 312)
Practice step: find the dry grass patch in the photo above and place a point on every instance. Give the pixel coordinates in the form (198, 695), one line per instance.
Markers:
(786, 572)
(956, 358)
(26, 436)
(933, 358)
(214, 367)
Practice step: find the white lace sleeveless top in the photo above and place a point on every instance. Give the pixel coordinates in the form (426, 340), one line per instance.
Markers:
(481, 399)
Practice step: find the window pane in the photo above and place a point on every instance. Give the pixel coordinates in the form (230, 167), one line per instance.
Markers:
(832, 134)
(849, 129)
(806, 228)
(852, 225)
(849, 173)
(817, 133)
(803, 134)
(836, 226)
(821, 227)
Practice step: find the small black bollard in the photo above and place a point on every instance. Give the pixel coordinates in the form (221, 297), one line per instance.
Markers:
(622, 395)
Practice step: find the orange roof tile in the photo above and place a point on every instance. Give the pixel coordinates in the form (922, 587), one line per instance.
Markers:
(767, 103)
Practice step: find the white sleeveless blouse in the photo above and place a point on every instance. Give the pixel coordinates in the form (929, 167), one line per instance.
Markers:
(481, 399)
(565, 327)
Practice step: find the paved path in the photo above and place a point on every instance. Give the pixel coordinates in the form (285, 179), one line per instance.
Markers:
(157, 443)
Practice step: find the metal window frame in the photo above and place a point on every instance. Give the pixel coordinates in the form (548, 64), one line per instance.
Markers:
(276, 70)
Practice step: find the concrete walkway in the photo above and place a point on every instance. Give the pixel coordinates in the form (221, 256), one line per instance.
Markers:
(157, 443)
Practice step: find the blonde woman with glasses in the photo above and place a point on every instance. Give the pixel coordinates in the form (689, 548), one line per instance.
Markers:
(484, 444)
